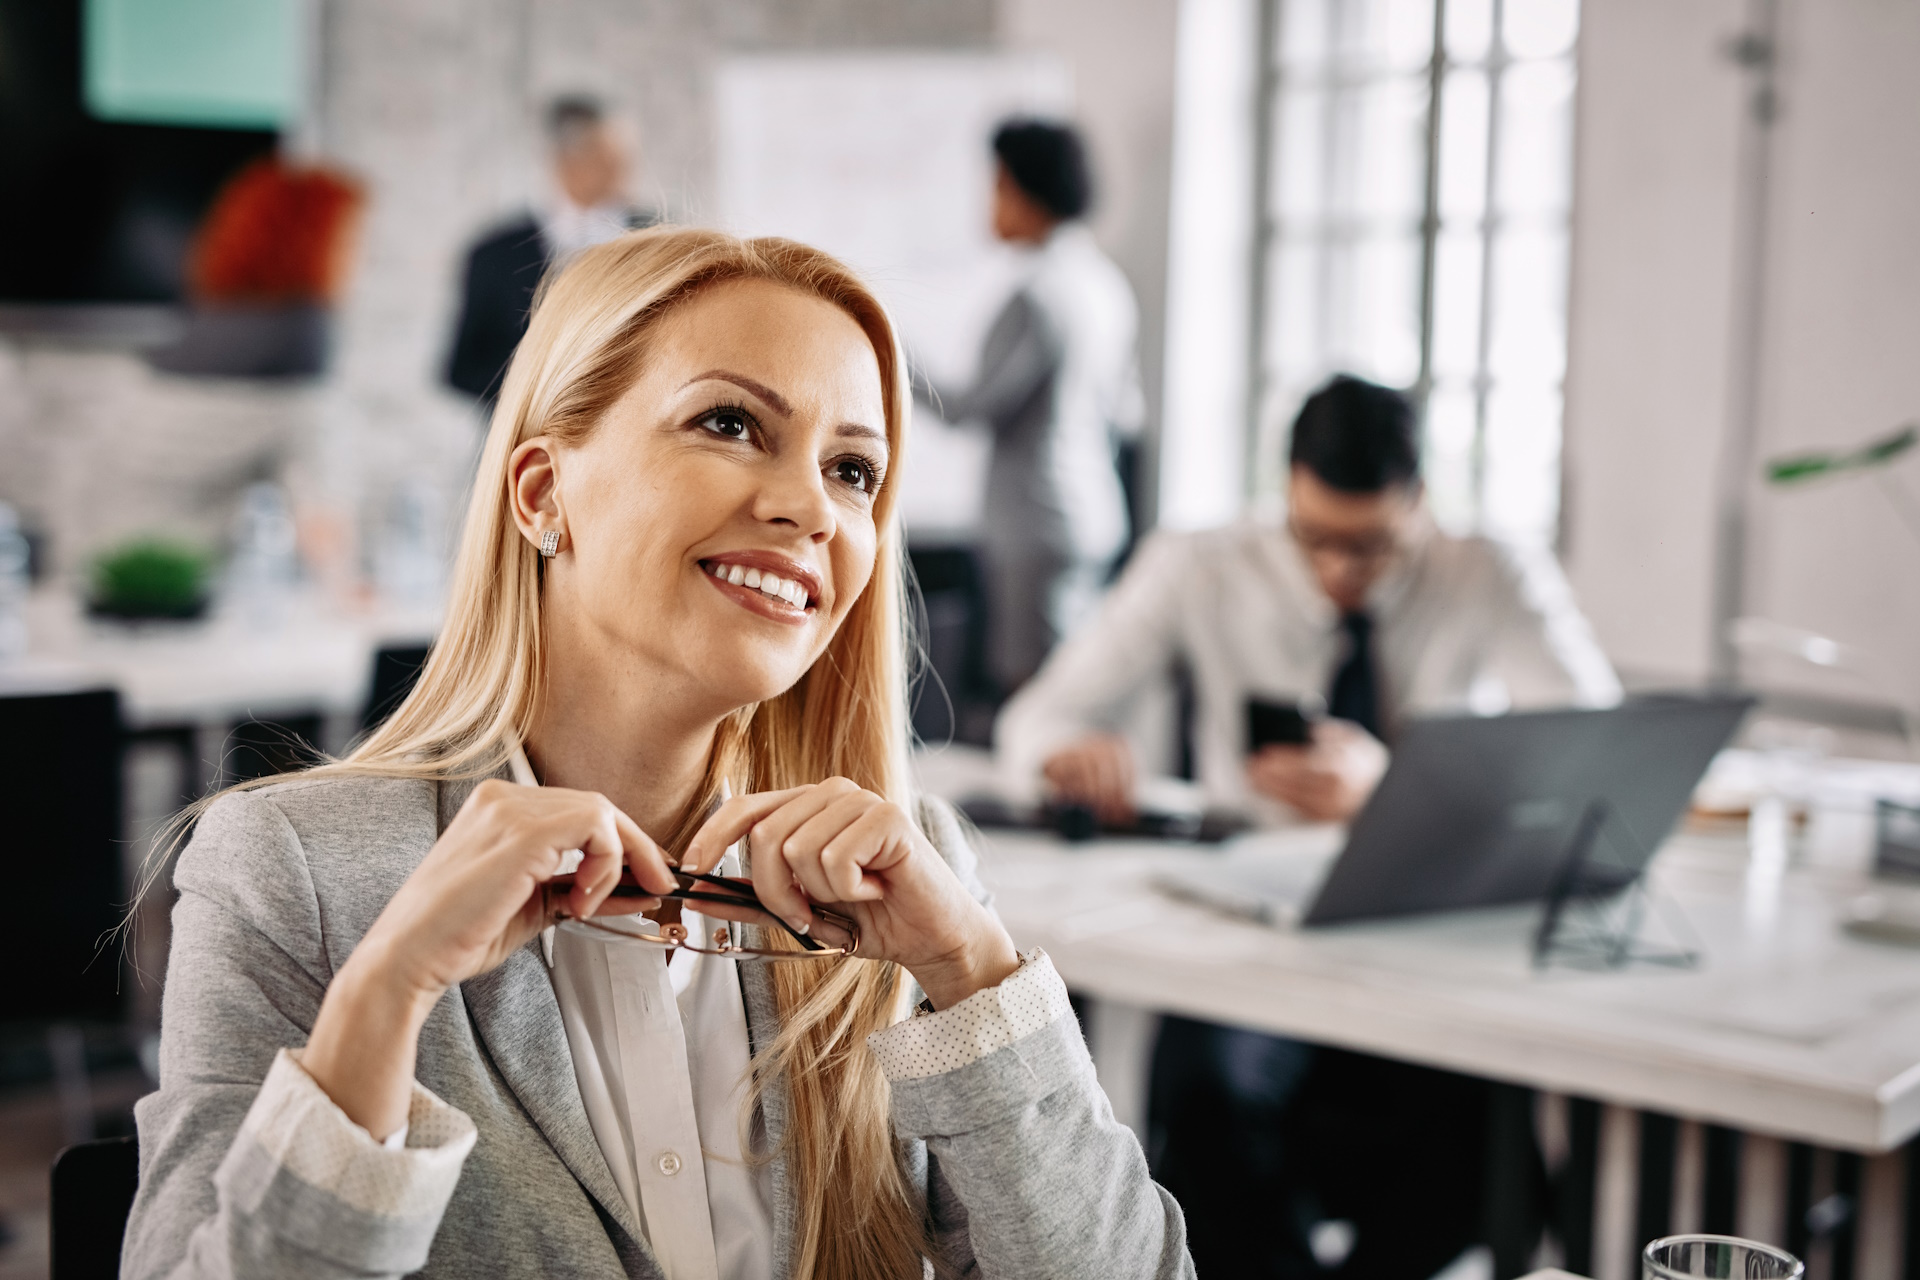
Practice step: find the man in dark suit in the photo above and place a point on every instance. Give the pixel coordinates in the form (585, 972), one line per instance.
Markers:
(505, 267)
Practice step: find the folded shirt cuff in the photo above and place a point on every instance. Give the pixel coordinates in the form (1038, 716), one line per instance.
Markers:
(1030, 999)
(302, 1130)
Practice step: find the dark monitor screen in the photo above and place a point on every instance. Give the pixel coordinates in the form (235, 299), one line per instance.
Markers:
(94, 211)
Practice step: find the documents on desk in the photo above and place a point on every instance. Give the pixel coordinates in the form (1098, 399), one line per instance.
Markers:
(1265, 876)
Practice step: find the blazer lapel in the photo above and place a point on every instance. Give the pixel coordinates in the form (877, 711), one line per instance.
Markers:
(518, 1018)
(514, 1009)
(763, 1024)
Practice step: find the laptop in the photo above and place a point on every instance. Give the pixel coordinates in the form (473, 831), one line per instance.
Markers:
(1477, 811)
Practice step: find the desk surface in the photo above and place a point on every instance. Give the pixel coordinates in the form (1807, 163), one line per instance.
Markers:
(226, 667)
(1788, 1027)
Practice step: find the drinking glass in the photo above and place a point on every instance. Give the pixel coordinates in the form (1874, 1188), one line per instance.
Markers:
(1717, 1258)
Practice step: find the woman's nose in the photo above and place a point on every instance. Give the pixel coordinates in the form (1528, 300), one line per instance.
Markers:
(795, 494)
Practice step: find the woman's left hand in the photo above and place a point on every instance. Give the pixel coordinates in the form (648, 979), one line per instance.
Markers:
(846, 849)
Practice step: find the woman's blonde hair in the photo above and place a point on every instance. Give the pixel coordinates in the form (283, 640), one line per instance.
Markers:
(479, 693)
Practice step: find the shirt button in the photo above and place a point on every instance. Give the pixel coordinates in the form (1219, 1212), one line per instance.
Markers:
(669, 1163)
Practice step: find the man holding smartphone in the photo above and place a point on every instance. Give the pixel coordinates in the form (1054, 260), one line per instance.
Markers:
(1308, 643)
(1357, 603)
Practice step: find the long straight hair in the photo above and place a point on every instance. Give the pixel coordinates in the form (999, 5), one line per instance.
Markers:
(479, 694)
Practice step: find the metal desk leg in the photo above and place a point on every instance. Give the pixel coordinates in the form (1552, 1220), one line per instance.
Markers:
(1616, 1195)
(1883, 1201)
(1762, 1206)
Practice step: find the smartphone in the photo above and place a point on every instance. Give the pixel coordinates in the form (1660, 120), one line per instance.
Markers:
(1271, 722)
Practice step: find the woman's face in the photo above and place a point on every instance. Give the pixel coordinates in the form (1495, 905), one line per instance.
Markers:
(718, 524)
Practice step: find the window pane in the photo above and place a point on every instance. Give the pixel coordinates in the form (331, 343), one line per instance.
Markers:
(1299, 180)
(1529, 307)
(1469, 29)
(1536, 139)
(1539, 28)
(1448, 456)
(1463, 145)
(1303, 33)
(1401, 34)
(1456, 302)
(1522, 461)
(1381, 142)
(1375, 301)
(1293, 313)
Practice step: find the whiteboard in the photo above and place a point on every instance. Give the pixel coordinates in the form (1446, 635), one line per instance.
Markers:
(884, 160)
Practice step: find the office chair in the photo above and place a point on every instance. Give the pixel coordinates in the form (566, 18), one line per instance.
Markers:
(396, 669)
(93, 1186)
(60, 787)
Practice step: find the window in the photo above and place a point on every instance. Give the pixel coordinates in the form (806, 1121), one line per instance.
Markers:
(1415, 172)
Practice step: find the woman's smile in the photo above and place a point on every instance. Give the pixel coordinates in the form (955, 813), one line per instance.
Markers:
(765, 583)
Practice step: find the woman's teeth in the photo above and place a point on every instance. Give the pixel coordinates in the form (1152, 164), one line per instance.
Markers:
(766, 583)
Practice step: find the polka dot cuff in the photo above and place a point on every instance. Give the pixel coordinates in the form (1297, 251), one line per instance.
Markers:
(1032, 997)
(294, 1120)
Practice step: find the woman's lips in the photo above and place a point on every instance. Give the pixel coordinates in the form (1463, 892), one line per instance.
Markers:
(763, 591)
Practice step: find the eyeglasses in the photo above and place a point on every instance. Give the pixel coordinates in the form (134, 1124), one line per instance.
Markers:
(728, 891)
(1367, 549)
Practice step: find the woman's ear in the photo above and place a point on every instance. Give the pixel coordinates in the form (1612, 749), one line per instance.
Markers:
(533, 489)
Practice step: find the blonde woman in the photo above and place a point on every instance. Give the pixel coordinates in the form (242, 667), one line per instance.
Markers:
(675, 637)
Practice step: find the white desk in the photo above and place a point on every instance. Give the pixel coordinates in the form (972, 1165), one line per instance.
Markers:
(1788, 1027)
(317, 658)
(1788, 1030)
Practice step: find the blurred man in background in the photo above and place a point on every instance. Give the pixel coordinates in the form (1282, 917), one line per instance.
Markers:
(1058, 386)
(1360, 606)
(590, 206)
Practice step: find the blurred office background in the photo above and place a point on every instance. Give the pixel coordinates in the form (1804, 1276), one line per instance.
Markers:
(1622, 254)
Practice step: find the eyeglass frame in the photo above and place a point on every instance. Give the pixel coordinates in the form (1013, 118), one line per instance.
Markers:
(738, 893)
(1367, 552)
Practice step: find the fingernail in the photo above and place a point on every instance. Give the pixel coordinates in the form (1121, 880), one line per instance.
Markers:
(801, 926)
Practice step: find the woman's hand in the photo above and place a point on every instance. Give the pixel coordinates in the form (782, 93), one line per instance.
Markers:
(477, 897)
(846, 849)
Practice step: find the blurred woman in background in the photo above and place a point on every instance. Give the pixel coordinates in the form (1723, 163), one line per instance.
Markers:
(1059, 387)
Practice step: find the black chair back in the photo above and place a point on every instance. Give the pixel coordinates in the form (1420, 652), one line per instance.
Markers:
(396, 669)
(93, 1186)
(61, 854)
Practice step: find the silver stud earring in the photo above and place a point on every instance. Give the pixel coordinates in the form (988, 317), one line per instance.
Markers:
(550, 544)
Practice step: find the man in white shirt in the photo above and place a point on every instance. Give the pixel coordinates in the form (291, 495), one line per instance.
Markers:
(1359, 606)
(1357, 602)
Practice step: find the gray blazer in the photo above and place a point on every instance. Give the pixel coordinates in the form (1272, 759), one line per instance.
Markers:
(1025, 1171)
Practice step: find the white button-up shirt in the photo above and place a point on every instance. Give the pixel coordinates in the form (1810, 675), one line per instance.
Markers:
(1460, 624)
(661, 1052)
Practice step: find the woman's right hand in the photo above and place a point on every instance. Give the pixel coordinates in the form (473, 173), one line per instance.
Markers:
(478, 896)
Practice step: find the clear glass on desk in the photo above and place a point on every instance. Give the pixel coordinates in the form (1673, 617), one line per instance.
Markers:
(1717, 1258)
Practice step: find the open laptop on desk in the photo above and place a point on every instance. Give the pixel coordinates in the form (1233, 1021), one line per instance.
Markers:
(1476, 811)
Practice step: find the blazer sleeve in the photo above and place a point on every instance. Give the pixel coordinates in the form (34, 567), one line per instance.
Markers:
(1028, 1172)
(1017, 360)
(247, 1169)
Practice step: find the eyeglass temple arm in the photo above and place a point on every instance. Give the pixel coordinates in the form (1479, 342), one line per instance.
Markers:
(746, 898)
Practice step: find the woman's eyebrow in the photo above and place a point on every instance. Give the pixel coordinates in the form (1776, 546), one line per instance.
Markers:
(760, 389)
(779, 402)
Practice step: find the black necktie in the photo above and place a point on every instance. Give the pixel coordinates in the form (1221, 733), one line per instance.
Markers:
(1355, 694)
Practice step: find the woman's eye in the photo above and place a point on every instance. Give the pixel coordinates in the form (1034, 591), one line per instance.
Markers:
(855, 474)
(730, 423)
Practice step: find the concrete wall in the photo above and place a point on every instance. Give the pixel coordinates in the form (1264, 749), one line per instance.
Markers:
(1651, 327)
